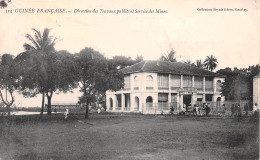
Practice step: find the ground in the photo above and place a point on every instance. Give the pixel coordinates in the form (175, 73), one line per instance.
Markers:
(128, 137)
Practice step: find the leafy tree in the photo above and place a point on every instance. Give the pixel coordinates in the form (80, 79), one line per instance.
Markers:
(210, 63)
(122, 61)
(43, 70)
(169, 56)
(139, 59)
(34, 62)
(8, 80)
(96, 75)
(199, 64)
(238, 83)
(188, 62)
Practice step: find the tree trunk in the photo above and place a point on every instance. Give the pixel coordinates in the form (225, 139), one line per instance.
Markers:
(43, 97)
(86, 115)
(49, 105)
(8, 110)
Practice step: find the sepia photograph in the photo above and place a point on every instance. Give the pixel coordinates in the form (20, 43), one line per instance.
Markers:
(129, 80)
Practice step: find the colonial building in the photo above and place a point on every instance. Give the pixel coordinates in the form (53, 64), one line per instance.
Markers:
(156, 86)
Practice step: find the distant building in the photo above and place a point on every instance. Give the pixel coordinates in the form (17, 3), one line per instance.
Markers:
(256, 90)
(162, 85)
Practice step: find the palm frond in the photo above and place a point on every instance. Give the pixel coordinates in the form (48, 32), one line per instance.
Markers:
(36, 45)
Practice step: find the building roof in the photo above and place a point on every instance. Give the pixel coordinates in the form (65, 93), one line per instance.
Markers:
(168, 67)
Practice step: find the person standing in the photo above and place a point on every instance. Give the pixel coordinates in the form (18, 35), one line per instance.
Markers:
(194, 110)
(239, 113)
(232, 110)
(236, 110)
(224, 110)
(66, 113)
(246, 109)
(255, 110)
(207, 109)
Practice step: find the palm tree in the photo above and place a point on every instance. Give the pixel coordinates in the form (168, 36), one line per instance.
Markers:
(170, 56)
(199, 64)
(188, 62)
(41, 46)
(42, 42)
(210, 62)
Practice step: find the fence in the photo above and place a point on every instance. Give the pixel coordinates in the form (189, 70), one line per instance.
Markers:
(159, 108)
(216, 108)
(73, 108)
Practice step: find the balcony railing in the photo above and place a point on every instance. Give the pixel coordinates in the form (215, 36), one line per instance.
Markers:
(209, 89)
(175, 88)
(163, 88)
(149, 88)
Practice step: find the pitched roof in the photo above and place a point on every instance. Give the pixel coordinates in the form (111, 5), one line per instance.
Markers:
(168, 67)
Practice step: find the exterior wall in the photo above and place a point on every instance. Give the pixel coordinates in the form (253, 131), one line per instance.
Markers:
(142, 92)
(256, 91)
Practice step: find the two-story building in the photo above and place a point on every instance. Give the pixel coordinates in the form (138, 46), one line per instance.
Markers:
(156, 85)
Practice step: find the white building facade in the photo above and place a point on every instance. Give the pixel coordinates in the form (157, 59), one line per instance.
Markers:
(160, 85)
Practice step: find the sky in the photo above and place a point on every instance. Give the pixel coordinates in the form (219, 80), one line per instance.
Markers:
(194, 29)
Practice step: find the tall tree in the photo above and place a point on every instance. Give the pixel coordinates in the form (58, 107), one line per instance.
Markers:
(188, 62)
(8, 80)
(238, 83)
(35, 60)
(210, 62)
(169, 56)
(122, 61)
(44, 70)
(139, 59)
(96, 75)
(199, 64)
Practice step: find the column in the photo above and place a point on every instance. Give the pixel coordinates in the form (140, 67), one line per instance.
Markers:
(192, 99)
(181, 102)
(169, 94)
(122, 101)
(192, 84)
(181, 81)
(114, 102)
(203, 98)
(132, 102)
(169, 97)
(204, 84)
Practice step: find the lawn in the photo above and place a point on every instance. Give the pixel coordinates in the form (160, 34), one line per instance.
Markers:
(113, 137)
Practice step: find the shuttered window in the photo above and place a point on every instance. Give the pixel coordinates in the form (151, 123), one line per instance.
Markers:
(162, 97)
(136, 83)
(208, 83)
(198, 82)
(149, 82)
(127, 82)
(175, 81)
(163, 81)
(187, 81)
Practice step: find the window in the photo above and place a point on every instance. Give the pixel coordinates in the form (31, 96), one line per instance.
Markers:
(162, 97)
(175, 81)
(187, 81)
(209, 84)
(149, 82)
(198, 83)
(127, 82)
(163, 81)
(136, 83)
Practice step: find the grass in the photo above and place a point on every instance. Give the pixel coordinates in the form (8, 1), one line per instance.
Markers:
(130, 136)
